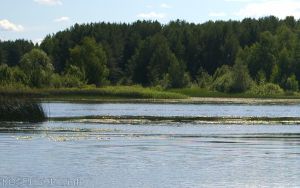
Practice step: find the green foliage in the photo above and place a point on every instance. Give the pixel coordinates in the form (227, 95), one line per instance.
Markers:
(223, 83)
(177, 76)
(57, 81)
(114, 92)
(223, 79)
(12, 76)
(76, 72)
(267, 89)
(38, 68)
(21, 110)
(154, 63)
(232, 80)
(275, 74)
(261, 77)
(198, 92)
(11, 52)
(161, 60)
(91, 59)
(203, 79)
(152, 54)
(73, 77)
(2, 56)
(241, 80)
(6, 75)
(292, 84)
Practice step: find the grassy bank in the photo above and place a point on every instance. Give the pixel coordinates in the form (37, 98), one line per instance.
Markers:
(199, 92)
(134, 93)
(111, 92)
(22, 110)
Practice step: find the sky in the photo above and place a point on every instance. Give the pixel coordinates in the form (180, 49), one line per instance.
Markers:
(34, 19)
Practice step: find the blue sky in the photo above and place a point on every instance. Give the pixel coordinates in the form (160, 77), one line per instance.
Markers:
(34, 19)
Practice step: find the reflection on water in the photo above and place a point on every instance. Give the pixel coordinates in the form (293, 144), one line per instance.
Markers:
(209, 110)
(179, 155)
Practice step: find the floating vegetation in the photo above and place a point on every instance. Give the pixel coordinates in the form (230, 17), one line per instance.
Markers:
(24, 138)
(68, 137)
(181, 119)
(21, 110)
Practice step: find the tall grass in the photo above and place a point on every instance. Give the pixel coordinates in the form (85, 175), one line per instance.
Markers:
(110, 92)
(20, 110)
(130, 92)
(200, 92)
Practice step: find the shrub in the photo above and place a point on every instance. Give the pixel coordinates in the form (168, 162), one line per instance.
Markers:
(72, 82)
(11, 76)
(223, 83)
(292, 84)
(241, 80)
(56, 81)
(6, 75)
(267, 89)
(204, 80)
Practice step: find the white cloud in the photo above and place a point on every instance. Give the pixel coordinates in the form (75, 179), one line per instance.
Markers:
(49, 2)
(279, 8)
(151, 15)
(62, 19)
(217, 14)
(164, 5)
(9, 26)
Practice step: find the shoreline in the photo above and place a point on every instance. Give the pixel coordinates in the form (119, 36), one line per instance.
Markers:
(191, 100)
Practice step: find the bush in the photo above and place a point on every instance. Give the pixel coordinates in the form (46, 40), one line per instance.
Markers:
(72, 82)
(12, 76)
(267, 89)
(222, 79)
(204, 80)
(6, 75)
(56, 81)
(292, 84)
(241, 80)
(223, 83)
(232, 80)
(225, 69)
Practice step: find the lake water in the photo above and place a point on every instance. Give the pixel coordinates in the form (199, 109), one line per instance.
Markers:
(209, 110)
(60, 154)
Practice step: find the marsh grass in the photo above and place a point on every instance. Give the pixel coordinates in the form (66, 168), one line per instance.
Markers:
(130, 92)
(202, 92)
(109, 92)
(21, 110)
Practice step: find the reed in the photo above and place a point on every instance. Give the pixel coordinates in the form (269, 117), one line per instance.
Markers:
(21, 110)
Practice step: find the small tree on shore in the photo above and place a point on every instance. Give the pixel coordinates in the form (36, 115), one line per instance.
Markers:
(241, 80)
(38, 68)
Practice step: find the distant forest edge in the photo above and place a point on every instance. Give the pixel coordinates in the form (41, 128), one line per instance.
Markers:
(258, 56)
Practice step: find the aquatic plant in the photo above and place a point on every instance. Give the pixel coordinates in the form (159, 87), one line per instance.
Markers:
(21, 110)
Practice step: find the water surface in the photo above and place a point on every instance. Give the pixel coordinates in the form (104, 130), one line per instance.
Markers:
(60, 154)
(58, 109)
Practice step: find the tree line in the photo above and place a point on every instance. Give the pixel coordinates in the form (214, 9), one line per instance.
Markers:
(227, 56)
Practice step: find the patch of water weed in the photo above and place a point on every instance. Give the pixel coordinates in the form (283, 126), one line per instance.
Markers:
(21, 110)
